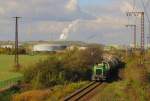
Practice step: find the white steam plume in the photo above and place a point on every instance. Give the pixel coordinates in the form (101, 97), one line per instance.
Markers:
(67, 30)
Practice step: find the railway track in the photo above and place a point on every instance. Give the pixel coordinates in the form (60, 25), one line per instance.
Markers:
(77, 95)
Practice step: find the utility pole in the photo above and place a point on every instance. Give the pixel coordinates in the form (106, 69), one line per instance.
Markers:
(16, 59)
(134, 27)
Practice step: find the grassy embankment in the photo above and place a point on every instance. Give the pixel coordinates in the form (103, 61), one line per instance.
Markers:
(6, 70)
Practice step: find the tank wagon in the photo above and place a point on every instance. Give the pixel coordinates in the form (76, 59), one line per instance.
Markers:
(102, 71)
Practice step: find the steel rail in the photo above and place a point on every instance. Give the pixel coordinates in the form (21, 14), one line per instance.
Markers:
(77, 95)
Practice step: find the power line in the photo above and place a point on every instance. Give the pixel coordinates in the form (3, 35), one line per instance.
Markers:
(145, 10)
(134, 4)
(148, 2)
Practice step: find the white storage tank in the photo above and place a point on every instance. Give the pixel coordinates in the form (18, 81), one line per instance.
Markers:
(48, 47)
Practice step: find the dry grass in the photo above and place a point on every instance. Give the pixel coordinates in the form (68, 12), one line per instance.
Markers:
(35, 95)
(136, 72)
(55, 94)
(60, 92)
(123, 91)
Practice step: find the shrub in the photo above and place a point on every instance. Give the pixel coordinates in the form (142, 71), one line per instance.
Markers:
(44, 73)
(72, 65)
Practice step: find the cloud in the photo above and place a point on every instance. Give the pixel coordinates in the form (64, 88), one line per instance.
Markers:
(102, 30)
(2, 11)
(72, 5)
(126, 6)
(43, 18)
(58, 10)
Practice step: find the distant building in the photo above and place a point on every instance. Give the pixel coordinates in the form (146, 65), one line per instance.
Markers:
(118, 47)
(82, 48)
(48, 47)
(7, 46)
(72, 47)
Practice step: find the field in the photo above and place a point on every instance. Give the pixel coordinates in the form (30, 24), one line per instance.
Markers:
(7, 63)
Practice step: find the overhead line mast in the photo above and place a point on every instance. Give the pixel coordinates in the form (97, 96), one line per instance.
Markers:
(16, 59)
(147, 15)
(142, 28)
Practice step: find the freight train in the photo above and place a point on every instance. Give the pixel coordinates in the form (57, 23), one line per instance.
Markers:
(104, 70)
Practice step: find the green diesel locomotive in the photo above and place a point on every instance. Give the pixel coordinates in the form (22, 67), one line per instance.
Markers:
(103, 70)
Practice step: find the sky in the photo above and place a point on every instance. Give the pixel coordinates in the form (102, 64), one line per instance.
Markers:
(94, 21)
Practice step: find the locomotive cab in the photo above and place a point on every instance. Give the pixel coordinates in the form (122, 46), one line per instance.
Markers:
(99, 72)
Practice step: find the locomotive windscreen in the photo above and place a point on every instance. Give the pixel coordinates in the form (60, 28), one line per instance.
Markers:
(98, 71)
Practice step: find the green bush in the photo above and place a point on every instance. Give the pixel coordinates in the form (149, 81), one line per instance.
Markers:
(70, 66)
(44, 73)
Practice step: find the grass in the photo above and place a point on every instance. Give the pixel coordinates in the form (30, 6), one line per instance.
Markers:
(7, 63)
